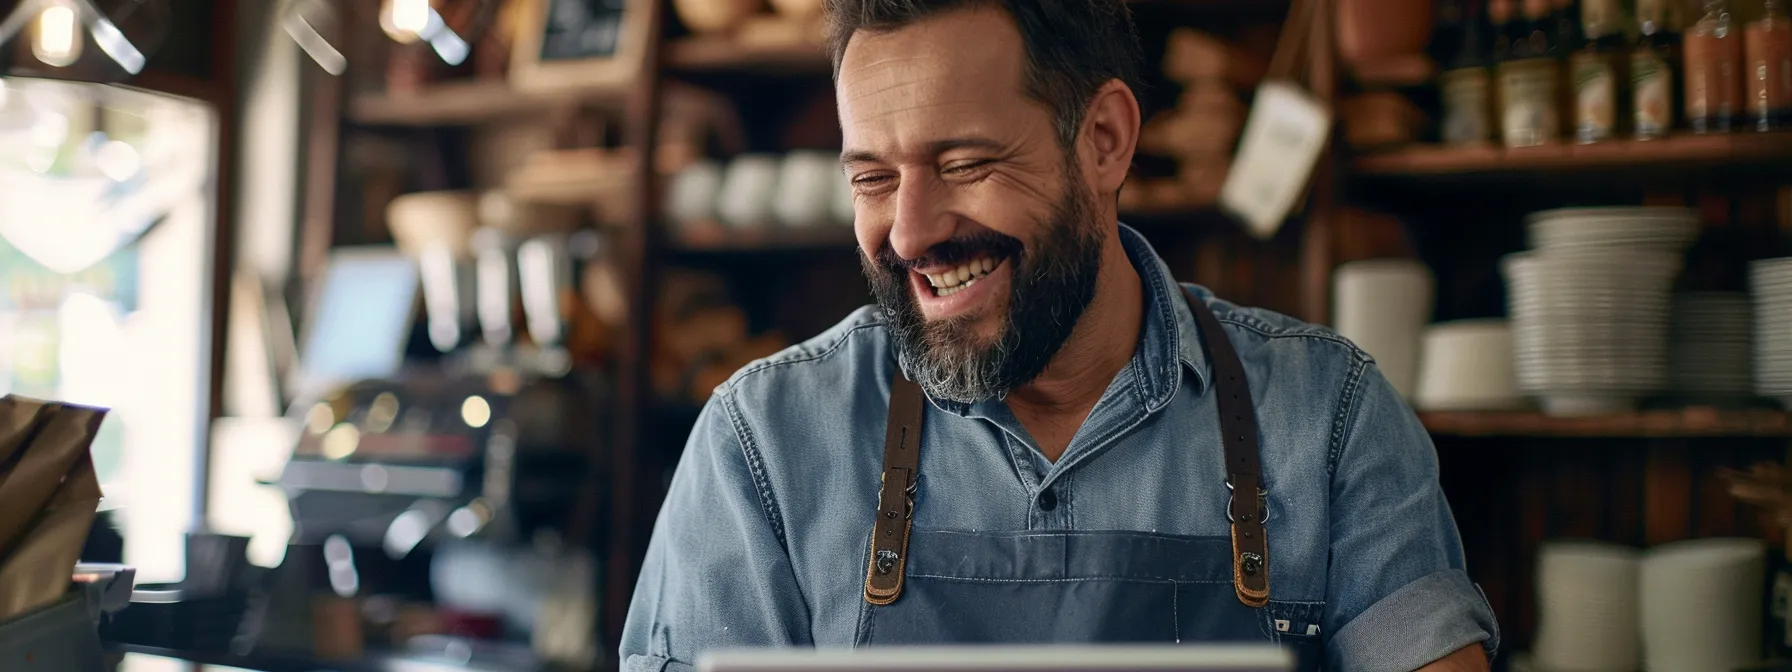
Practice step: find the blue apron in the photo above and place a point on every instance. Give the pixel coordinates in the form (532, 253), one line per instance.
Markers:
(945, 587)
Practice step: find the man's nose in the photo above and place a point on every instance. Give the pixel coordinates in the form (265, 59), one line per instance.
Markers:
(922, 220)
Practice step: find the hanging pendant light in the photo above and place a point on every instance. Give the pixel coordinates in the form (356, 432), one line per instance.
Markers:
(59, 33)
(317, 27)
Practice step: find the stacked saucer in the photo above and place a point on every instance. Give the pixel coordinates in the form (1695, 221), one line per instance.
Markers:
(1710, 347)
(1771, 280)
(1590, 306)
(1667, 229)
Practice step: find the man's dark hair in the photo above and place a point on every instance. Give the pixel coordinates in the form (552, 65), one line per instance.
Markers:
(1073, 47)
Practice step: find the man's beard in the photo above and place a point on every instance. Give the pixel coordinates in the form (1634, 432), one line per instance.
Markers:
(1050, 287)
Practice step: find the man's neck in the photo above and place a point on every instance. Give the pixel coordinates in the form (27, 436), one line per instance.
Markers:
(1053, 406)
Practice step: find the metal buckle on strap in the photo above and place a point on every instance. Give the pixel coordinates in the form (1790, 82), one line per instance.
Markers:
(1262, 504)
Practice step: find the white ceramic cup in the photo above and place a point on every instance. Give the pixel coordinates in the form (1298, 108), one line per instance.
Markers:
(694, 192)
(1701, 605)
(1586, 608)
(749, 187)
(806, 186)
(1382, 305)
(1466, 365)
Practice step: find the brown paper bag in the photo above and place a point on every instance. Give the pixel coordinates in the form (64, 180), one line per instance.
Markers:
(48, 498)
(60, 436)
(18, 419)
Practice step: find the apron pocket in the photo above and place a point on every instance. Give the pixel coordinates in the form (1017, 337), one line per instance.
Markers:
(1298, 626)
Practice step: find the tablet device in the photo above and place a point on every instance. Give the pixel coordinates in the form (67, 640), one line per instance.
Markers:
(1008, 658)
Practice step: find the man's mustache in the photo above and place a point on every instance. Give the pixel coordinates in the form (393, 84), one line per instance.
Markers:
(953, 252)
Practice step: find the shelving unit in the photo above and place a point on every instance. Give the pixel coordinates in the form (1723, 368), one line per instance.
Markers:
(466, 103)
(1515, 480)
(1677, 152)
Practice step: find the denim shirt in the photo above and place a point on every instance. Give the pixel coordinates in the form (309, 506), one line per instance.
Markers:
(762, 538)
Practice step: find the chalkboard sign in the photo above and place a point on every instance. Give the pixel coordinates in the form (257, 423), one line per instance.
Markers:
(579, 44)
(579, 29)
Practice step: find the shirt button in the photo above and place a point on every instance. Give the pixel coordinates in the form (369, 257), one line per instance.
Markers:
(1048, 499)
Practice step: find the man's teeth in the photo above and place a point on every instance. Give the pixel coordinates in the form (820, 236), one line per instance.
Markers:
(956, 280)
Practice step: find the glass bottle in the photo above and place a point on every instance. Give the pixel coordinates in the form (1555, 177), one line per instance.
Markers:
(1596, 70)
(1654, 60)
(1528, 81)
(1712, 62)
(1767, 68)
(1465, 84)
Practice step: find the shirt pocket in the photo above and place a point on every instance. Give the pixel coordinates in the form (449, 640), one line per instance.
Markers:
(1299, 627)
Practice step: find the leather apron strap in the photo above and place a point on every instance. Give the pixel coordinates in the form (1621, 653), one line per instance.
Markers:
(1238, 428)
(1244, 469)
(896, 497)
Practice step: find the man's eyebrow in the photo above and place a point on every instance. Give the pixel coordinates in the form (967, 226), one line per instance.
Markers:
(934, 148)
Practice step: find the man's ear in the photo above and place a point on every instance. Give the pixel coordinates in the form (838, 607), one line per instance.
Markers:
(1110, 135)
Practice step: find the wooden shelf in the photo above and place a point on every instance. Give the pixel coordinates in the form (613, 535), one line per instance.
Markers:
(1216, 5)
(1694, 422)
(463, 103)
(714, 55)
(717, 238)
(1676, 152)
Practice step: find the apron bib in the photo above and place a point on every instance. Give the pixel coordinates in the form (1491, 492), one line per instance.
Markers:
(946, 587)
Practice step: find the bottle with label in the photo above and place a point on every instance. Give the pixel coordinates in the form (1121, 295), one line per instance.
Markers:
(1654, 62)
(1712, 62)
(1767, 68)
(1595, 71)
(1528, 81)
(1465, 83)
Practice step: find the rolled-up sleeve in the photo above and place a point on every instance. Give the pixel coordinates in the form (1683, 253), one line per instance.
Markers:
(1398, 596)
(717, 573)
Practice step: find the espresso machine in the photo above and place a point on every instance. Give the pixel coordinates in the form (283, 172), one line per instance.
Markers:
(468, 483)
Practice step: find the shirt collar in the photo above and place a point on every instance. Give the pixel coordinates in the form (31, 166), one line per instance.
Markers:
(1171, 342)
(1168, 342)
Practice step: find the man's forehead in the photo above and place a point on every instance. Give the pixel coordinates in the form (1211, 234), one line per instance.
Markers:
(931, 77)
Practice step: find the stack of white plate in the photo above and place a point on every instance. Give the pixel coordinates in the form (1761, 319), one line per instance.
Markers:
(1589, 306)
(1710, 346)
(1626, 227)
(1589, 328)
(1587, 608)
(1772, 283)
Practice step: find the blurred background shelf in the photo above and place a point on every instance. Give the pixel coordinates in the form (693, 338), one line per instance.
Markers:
(465, 103)
(1693, 422)
(1677, 152)
(717, 238)
(715, 55)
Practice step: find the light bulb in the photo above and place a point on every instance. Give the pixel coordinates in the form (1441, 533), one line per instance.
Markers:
(404, 20)
(56, 36)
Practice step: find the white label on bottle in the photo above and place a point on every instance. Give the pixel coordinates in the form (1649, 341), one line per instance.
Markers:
(1282, 139)
(1465, 106)
(1527, 89)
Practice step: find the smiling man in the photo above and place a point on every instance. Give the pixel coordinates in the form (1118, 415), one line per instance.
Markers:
(1036, 433)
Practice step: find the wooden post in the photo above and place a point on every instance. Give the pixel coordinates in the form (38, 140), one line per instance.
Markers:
(1319, 230)
(634, 492)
